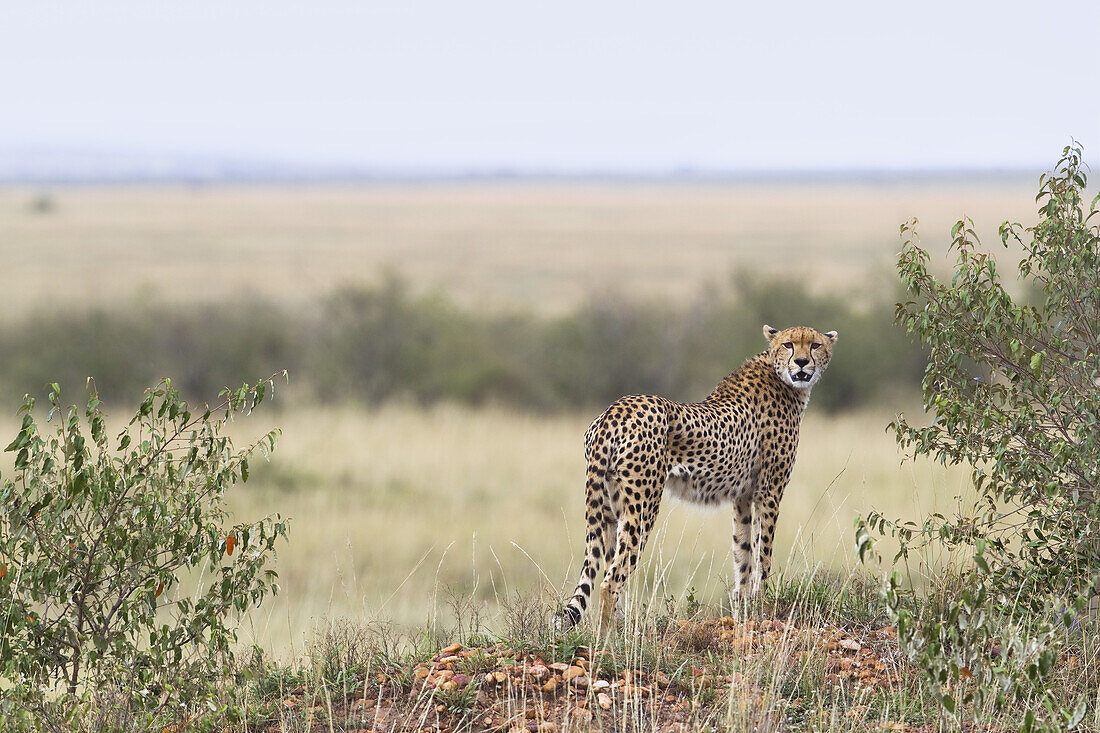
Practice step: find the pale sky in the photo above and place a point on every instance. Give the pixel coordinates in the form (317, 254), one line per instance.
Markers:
(562, 86)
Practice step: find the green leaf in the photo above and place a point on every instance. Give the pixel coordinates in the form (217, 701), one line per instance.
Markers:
(1036, 363)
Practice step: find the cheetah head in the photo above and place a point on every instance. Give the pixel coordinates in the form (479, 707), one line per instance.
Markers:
(799, 354)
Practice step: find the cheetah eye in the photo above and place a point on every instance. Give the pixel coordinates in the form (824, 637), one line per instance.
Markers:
(815, 345)
(788, 345)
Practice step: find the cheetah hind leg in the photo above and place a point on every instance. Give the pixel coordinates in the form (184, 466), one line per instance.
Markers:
(611, 610)
(612, 614)
(627, 550)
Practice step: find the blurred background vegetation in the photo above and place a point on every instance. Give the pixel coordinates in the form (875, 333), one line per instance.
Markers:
(370, 344)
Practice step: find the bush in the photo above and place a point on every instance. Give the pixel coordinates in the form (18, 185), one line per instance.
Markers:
(101, 541)
(1013, 388)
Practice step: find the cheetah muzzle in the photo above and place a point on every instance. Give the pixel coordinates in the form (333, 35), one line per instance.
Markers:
(735, 447)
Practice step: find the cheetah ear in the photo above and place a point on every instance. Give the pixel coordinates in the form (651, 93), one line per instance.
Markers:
(769, 332)
(831, 335)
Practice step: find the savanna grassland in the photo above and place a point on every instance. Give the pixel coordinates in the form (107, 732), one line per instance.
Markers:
(393, 504)
(451, 519)
(542, 245)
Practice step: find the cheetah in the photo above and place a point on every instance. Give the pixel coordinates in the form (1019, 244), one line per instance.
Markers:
(737, 446)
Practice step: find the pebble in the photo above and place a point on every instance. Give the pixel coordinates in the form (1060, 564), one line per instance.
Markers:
(604, 700)
(571, 672)
(539, 672)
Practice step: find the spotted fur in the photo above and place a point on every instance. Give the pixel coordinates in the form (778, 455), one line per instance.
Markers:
(737, 446)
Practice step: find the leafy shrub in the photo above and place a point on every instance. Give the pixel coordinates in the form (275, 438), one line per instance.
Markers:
(1014, 390)
(101, 540)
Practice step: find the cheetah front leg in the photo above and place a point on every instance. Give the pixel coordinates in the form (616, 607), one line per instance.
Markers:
(767, 513)
(742, 546)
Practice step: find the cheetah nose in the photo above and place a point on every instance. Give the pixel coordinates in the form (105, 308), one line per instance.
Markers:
(801, 361)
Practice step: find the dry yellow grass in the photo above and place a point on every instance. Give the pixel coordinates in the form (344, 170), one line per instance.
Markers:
(391, 508)
(536, 244)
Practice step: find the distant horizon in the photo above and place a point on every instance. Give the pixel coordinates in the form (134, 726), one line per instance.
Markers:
(62, 166)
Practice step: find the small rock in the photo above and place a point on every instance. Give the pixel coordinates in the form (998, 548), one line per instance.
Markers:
(450, 649)
(571, 672)
(421, 672)
(580, 683)
(582, 714)
(850, 644)
(449, 685)
(499, 676)
(601, 685)
(662, 679)
(551, 685)
(559, 666)
(604, 700)
(547, 727)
